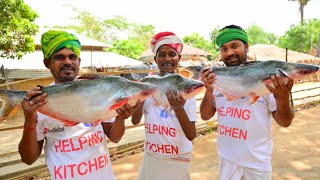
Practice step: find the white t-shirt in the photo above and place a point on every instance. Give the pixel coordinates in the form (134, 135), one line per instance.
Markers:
(245, 131)
(164, 135)
(75, 152)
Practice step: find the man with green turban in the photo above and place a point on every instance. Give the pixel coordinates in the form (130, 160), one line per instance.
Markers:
(52, 41)
(72, 151)
(238, 38)
(229, 34)
(247, 156)
(61, 51)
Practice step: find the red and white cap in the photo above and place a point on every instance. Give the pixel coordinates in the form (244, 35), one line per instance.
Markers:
(166, 38)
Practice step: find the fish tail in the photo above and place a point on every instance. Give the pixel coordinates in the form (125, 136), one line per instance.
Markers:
(6, 109)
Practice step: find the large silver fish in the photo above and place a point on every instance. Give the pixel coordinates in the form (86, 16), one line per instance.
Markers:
(185, 86)
(82, 101)
(248, 80)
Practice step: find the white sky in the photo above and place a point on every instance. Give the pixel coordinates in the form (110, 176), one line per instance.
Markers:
(183, 17)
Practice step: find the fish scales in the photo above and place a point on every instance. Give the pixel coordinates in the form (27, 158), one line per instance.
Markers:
(86, 101)
(249, 80)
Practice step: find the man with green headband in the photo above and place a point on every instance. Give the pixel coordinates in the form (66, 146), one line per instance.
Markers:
(71, 152)
(245, 130)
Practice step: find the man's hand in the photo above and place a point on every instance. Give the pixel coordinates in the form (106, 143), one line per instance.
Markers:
(280, 89)
(126, 111)
(208, 78)
(175, 100)
(32, 101)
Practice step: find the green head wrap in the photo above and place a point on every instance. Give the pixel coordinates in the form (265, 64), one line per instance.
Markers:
(52, 41)
(229, 34)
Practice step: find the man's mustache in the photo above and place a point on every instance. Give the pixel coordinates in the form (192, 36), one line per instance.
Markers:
(67, 68)
(232, 56)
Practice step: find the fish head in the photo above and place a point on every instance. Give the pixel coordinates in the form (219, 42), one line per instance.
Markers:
(195, 71)
(140, 90)
(299, 70)
(185, 86)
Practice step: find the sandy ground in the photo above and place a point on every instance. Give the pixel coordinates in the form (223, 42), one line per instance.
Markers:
(296, 152)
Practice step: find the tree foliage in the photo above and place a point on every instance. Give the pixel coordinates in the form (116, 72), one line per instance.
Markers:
(17, 28)
(142, 34)
(195, 40)
(302, 37)
(113, 30)
(130, 48)
(258, 36)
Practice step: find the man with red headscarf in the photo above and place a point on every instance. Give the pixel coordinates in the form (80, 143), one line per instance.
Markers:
(169, 134)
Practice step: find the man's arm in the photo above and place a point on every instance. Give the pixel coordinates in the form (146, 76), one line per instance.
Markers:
(136, 116)
(281, 91)
(115, 130)
(29, 147)
(177, 104)
(207, 108)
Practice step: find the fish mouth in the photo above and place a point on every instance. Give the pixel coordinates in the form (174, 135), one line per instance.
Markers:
(317, 71)
(306, 71)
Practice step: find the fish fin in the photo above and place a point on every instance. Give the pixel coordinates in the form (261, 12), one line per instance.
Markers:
(97, 122)
(6, 110)
(253, 98)
(65, 121)
(228, 96)
(69, 123)
(119, 104)
(91, 76)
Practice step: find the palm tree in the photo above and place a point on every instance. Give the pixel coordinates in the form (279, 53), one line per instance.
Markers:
(302, 3)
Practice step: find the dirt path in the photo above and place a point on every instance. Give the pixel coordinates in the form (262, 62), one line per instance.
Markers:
(296, 152)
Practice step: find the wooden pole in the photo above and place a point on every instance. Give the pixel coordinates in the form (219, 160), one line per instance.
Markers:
(291, 100)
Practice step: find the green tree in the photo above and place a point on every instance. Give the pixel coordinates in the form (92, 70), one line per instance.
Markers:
(258, 36)
(142, 34)
(114, 27)
(302, 4)
(113, 31)
(302, 37)
(130, 48)
(195, 40)
(214, 33)
(17, 28)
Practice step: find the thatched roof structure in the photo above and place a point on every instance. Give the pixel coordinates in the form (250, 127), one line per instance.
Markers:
(272, 52)
(268, 52)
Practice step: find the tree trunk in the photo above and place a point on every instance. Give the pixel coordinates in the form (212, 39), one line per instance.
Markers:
(318, 49)
(301, 13)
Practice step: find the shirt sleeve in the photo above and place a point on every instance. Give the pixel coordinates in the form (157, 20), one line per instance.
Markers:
(271, 103)
(191, 108)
